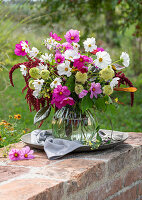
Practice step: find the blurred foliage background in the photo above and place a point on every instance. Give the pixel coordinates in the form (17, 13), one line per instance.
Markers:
(116, 25)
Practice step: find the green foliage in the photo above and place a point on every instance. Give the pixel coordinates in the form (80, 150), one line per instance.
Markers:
(71, 83)
(86, 103)
(42, 114)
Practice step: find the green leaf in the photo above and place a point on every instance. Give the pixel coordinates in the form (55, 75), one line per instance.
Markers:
(42, 114)
(70, 83)
(86, 103)
(111, 108)
(100, 103)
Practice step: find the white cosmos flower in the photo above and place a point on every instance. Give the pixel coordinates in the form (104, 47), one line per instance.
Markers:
(71, 55)
(114, 82)
(76, 46)
(33, 53)
(57, 81)
(23, 69)
(38, 84)
(25, 47)
(64, 69)
(90, 44)
(103, 59)
(46, 57)
(36, 93)
(41, 66)
(50, 43)
(125, 59)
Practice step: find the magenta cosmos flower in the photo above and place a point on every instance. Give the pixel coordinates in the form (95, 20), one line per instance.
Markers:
(27, 153)
(15, 154)
(67, 46)
(72, 36)
(82, 60)
(68, 100)
(60, 93)
(59, 58)
(95, 89)
(83, 94)
(19, 50)
(55, 36)
(97, 50)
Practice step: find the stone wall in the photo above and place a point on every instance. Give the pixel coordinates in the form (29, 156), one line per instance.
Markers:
(114, 174)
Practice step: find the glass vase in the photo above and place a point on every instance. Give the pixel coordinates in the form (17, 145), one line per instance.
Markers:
(72, 124)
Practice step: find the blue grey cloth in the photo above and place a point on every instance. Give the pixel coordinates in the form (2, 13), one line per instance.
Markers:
(54, 147)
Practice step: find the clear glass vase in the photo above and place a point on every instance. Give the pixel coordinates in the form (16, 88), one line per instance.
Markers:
(72, 124)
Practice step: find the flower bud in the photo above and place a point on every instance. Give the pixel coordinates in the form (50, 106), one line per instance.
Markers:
(45, 74)
(34, 73)
(31, 85)
(107, 90)
(107, 73)
(78, 89)
(81, 77)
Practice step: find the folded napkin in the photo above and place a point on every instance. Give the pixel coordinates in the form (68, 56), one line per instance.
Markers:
(54, 147)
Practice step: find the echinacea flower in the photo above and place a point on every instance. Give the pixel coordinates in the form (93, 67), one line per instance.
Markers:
(125, 59)
(22, 48)
(83, 94)
(72, 36)
(59, 58)
(64, 69)
(14, 154)
(103, 59)
(68, 100)
(95, 89)
(23, 69)
(90, 44)
(114, 82)
(18, 116)
(55, 36)
(57, 81)
(71, 55)
(27, 153)
(34, 52)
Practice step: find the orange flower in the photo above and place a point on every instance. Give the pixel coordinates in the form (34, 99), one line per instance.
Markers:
(18, 116)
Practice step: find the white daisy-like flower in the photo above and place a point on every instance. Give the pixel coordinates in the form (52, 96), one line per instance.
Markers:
(38, 84)
(36, 93)
(90, 44)
(46, 57)
(64, 69)
(71, 55)
(34, 52)
(114, 82)
(50, 43)
(41, 66)
(103, 59)
(25, 47)
(125, 59)
(57, 81)
(23, 69)
(76, 46)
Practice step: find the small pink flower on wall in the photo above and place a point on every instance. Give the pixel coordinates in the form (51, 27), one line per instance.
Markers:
(27, 153)
(55, 36)
(59, 58)
(15, 154)
(72, 36)
(22, 48)
(95, 89)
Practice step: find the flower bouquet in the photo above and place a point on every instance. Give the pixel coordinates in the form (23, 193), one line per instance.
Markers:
(74, 81)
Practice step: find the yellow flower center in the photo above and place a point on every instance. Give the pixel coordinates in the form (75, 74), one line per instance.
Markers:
(66, 69)
(58, 60)
(68, 99)
(16, 154)
(26, 155)
(60, 93)
(72, 38)
(113, 67)
(93, 89)
(55, 82)
(39, 83)
(100, 59)
(89, 45)
(81, 59)
(23, 49)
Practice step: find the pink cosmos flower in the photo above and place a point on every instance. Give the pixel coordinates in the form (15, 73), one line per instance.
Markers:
(27, 153)
(60, 92)
(59, 58)
(55, 36)
(18, 49)
(68, 100)
(72, 36)
(82, 60)
(83, 69)
(83, 94)
(97, 50)
(67, 46)
(95, 89)
(15, 154)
